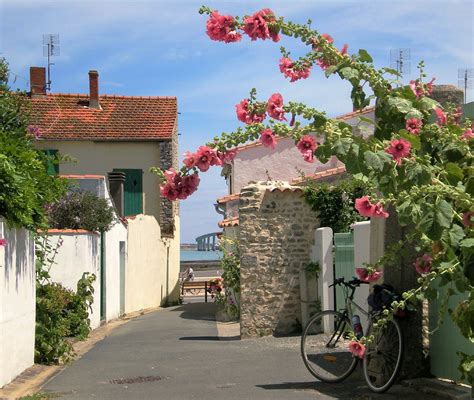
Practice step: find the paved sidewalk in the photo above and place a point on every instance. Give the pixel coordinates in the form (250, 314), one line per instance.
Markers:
(175, 354)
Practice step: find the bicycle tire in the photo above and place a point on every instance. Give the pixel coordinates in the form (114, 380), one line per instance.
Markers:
(385, 351)
(328, 364)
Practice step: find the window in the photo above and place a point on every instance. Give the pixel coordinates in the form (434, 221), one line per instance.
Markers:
(52, 167)
(133, 191)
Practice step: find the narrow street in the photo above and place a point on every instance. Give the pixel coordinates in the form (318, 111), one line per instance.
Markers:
(175, 354)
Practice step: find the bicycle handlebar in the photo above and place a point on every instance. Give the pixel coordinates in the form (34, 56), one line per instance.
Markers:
(352, 283)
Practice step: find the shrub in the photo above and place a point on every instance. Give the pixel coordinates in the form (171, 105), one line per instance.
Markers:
(60, 315)
(335, 203)
(81, 210)
(230, 263)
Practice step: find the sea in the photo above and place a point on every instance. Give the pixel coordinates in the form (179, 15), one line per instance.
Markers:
(194, 255)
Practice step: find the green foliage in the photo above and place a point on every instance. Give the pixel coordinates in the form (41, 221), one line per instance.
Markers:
(25, 185)
(230, 263)
(335, 203)
(60, 312)
(81, 210)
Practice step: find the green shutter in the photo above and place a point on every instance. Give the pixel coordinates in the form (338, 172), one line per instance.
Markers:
(52, 168)
(133, 196)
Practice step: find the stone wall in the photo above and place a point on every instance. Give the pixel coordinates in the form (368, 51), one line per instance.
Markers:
(168, 159)
(276, 236)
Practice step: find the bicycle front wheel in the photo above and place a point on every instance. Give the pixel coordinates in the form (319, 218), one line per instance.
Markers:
(325, 347)
(383, 356)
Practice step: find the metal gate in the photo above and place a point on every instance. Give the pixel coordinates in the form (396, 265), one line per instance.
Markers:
(343, 263)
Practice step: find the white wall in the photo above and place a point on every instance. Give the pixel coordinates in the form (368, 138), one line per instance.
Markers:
(282, 164)
(79, 253)
(17, 303)
(361, 257)
(99, 158)
(152, 270)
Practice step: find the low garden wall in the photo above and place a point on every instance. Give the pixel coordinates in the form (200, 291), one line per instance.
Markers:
(17, 302)
(78, 253)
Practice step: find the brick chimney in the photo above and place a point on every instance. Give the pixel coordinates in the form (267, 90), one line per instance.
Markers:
(37, 80)
(94, 89)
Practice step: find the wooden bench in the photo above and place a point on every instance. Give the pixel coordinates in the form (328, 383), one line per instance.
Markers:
(195, 285)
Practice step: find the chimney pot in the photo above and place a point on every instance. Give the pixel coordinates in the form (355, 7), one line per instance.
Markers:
(94, 89)
(37, 80)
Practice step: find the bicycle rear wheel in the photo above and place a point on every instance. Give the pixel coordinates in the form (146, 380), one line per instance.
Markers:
(324, 347)
(383, 356)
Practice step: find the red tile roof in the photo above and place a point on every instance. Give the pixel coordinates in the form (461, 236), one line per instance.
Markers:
(129, 118)
(228, 222)
(229, 197)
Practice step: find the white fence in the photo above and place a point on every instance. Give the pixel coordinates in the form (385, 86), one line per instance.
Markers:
(17, 303)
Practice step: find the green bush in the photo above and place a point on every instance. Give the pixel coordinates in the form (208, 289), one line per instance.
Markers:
(80, 210)
(25, 184)
(335, 203)
(60, 315)
(230, 263)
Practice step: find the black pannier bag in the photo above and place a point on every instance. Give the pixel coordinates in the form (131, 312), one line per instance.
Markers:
(382, 297)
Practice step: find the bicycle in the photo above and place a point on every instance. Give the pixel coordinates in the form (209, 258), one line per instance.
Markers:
(325, 344)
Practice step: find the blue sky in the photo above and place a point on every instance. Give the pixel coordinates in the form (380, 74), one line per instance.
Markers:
(160, 48)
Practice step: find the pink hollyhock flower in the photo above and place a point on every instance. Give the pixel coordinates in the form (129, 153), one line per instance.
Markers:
(308, 156)
(188, 186)
(268, 138)
(429, 86)
(416, 88)
(169, 191)
(323, 64)
(34, 131)
(227, 156)
(413, 125)
(364, 206)
(364, 275)
(457, 115)
(256, 26)
(205, 158)
(467, 219)
(190, 159)
(247, 116)
(327, 37)
(440, 116)
(423, 264)
(398, 149)
(275, 107)
(467, 134)
(170, 175)
(307, 143)
(357, 349)
(344, 49)
(289, 70)
(222, 28)
(380, 212)
(3, 242)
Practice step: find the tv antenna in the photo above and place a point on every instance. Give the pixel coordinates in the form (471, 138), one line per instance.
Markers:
(50, 49)
(400, 61)
(465, 76)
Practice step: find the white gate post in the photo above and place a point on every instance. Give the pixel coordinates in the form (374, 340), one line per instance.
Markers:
(362, 248)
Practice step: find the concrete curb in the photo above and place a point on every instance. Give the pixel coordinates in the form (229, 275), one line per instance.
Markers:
(34, 378)
(443, 389)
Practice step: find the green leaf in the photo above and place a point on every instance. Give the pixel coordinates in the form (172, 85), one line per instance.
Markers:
(373, 161)
(467, 243)
(428, 104)
(414, 113)
(413, 139)
(330, 70)
(443, 213)
(342, 146)
(454, 173)
(400, 104)
(349, 73)
(456, 234)
(367, 120)
(419, 174)
(391, 71)
(364, 56)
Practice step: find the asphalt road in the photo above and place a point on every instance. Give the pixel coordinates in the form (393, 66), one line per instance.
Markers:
(175, 354)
